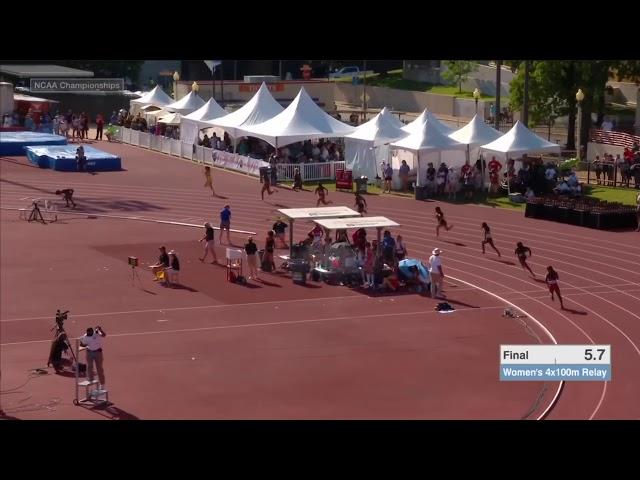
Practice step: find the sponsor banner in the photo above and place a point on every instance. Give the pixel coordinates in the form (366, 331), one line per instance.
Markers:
(237, 162)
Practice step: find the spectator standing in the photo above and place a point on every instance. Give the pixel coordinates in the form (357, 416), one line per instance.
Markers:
(279, 228)
(404, 175)
(436, 273)
(209, 246)
(225, 222)
(250, 249)
(388, 176)
(99, 126)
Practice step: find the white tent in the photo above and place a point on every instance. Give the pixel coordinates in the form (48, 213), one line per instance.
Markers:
(155, 97)
(187, 104)
(170, 119)
(152, 116)
(474, 134)
(191, 124)
(259, 109)
(368, 145)
(520, 140)
(427, 145)
(418, 124)
(302, 120)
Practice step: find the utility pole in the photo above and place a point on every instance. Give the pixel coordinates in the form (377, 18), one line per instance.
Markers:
(496, 119)
(364, 90)
(525, 103)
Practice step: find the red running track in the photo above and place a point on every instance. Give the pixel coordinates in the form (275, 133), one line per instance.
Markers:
(279, 351)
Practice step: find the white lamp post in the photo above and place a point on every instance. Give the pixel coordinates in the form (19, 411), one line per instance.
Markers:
(476, 96)
(176, 77)
(579, 98)
(195, 87)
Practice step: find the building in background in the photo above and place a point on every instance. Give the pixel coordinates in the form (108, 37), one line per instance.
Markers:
(158, 72)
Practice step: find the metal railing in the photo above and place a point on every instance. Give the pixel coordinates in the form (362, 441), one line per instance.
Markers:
(199, 154)
(309, 171)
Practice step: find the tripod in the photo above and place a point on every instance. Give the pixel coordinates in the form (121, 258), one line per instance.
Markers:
(134, 276)
(59, 345)
(36, 214)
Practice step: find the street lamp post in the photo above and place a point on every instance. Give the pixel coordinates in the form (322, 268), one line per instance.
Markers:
(476, 96)
(195, 87)
(176, 77)
(579, 98)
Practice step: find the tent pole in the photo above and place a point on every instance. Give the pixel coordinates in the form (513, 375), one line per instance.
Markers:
(290, 238)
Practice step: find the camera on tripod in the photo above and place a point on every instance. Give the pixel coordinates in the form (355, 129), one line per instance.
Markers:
(60, 318)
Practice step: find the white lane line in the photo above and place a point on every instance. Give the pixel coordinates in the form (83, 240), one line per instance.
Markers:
(268, 324)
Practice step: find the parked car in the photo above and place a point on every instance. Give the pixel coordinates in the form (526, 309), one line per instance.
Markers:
(349, 72)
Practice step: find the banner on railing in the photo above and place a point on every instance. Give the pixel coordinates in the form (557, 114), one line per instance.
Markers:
(238, 163)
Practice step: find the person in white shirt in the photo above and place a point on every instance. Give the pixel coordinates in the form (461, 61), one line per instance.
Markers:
(93, 341)
(436, 273)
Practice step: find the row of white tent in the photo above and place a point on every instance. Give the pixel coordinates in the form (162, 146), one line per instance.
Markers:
(426, 138)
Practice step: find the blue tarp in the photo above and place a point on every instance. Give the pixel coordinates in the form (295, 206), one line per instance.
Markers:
(14, 143)
(412, 262)
(63, 158)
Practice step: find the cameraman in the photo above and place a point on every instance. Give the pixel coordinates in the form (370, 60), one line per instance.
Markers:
(93, 341)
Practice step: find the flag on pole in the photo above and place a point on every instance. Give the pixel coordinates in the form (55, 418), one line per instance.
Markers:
(212, 64)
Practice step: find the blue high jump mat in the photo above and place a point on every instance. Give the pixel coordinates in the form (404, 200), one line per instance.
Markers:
(63, 158)
(14, 143)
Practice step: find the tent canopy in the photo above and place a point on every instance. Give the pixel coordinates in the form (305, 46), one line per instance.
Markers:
(476, 132)
(171, 119)
(187, 104)
(150, 108)
(425, 116)
(18, 97)
(154, 97)
(208, 111)
(317, 212)
(367, 146)
(195, 121)
(381, 129)
(429, 138)
(521, 140)
(302, 120)
(259, 109)
(360, 222)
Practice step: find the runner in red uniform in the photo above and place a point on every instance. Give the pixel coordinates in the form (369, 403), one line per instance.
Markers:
(552, 283)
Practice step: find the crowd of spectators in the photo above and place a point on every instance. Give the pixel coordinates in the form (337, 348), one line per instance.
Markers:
(628, 165)
(301, 152)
